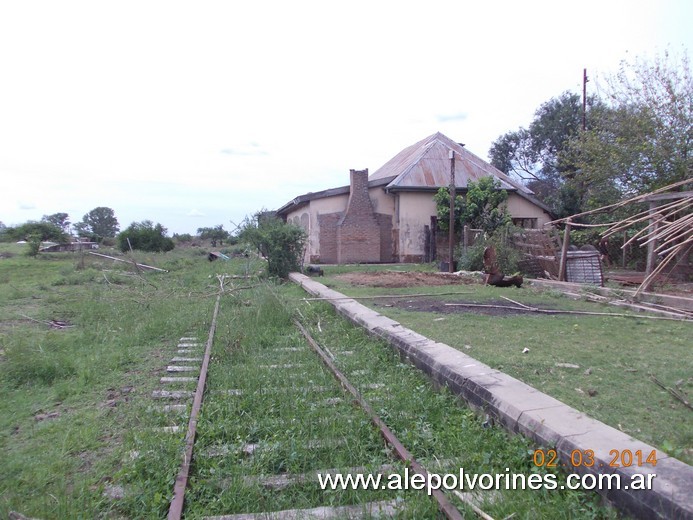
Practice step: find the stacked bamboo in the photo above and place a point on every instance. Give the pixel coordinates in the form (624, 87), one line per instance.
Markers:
(670, 228)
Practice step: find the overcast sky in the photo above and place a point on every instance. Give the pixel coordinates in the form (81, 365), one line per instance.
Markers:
(196, 114)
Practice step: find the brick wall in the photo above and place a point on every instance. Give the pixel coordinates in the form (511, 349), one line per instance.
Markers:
(358, 232)
(328, 237)
(385, 223)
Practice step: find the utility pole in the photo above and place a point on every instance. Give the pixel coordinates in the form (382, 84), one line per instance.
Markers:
(451, 267)
(584, 99)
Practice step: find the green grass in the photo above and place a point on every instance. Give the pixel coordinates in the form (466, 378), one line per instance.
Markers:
(284, 411)
(616, 355)
(72, 397)
(77, 417)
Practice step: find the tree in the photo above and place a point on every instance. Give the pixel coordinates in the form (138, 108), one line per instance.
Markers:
(644, 140)
(58, 219)
(482, 208)
(538, 155)
(99, 222)
(534, 153)
(214, 233)
(280, 243)
(145, 236)
(34, 233)
(41, 231)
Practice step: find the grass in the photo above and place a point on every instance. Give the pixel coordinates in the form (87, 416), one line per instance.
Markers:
(77, 417)
(433, 424)
(616, 355)
(283, 410)
(72, 397)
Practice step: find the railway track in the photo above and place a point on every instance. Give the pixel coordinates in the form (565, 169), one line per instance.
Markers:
(281, 411)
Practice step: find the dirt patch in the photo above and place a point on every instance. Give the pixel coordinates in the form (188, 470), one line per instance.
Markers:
(404, 279)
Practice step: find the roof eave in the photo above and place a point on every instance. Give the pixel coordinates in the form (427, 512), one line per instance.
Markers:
(304, 199)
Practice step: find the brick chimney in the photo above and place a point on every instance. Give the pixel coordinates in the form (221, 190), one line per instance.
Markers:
(358, 231)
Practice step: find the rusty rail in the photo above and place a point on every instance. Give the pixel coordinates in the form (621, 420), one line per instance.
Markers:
(175, 510)
(445, 506)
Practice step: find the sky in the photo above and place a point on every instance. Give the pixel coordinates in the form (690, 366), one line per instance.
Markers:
(195, 114)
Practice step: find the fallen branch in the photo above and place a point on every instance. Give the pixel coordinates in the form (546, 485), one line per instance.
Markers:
(127, 262)
(53, 323)
(517, 303)
(673, 392)
(554, 311)
(327, 298)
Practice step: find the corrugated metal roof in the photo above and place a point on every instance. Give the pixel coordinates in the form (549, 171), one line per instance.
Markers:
(426, 164)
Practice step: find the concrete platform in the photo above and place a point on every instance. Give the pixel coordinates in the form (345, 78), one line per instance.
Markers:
(521, 408)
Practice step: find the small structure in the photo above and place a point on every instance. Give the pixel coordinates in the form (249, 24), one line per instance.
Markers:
(72, 246)
(584, 267)
(216, 255)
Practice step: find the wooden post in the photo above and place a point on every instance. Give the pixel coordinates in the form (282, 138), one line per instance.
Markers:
(465, 242)
(564, 251)
(651, 246)
(434, 236)
(651, 255)
(451, 246)
(623, 250)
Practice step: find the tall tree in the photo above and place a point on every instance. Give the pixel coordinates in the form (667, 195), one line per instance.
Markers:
(62, 220)
(100, 222)
(534, 153)
(537, 154)
(645, 139)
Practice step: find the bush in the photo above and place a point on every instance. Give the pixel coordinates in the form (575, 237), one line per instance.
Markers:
(507, 256)
(280, 243)
(182, 237)
(145, 236)
(483, 207)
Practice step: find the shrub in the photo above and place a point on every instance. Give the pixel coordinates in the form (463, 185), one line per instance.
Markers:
(507, 256)
(280, 243)
(145, 236)
(483, 207)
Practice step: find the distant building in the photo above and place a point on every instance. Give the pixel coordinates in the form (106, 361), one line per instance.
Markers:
(391, 215)
(73, 246)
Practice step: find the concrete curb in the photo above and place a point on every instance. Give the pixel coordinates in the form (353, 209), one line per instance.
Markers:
(521, 408)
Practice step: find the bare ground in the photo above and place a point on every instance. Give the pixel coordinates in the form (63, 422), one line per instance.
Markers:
(402, 279)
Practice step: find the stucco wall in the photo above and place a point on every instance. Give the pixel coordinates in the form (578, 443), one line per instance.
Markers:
(520, 207)
(415, 212)
(382, 202)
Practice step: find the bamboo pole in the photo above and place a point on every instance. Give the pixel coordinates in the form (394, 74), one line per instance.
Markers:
(624, 202)
(559, 311)
(127, 262)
